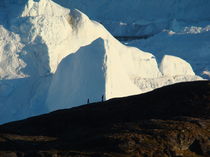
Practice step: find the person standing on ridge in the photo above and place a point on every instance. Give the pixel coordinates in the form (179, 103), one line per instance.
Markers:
(102, 98)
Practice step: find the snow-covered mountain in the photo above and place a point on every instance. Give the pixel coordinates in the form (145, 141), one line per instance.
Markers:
(175, 27)
(53, 58)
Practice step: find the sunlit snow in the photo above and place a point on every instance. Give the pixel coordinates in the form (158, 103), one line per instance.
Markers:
(52, 58)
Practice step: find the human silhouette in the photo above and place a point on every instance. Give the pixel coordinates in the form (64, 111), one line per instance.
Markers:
(102, 98)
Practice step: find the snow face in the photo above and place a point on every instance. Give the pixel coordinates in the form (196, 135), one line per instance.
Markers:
(176, 27)
(148, 84)
(98, 72)
(103, 68)
(10, 44)
(174, 66)
(190, 44)
(88, 67)
(173, 69)
(53, 57)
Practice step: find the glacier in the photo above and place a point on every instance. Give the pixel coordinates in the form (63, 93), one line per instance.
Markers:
(176, 27)
(53, 57)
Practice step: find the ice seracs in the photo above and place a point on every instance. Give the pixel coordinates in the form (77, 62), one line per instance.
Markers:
(173, 70)
(10, 64)
(53, 58)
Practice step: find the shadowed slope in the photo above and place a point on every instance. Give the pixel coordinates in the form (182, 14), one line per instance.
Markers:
(172, 120)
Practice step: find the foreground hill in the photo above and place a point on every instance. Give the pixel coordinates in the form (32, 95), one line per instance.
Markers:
(172, 121)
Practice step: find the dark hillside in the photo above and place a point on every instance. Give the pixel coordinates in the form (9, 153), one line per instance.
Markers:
(172, 121)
